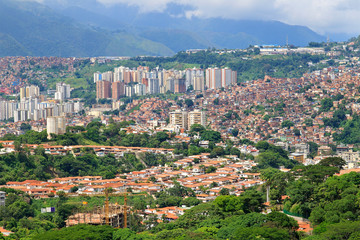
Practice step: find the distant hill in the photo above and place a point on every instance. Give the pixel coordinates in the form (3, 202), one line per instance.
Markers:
(28, 28)
(180, 33)
(87, 28)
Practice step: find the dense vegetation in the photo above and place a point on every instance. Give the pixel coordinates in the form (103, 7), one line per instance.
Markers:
(313, 192)
(330, 202)
(249, 67)
(22, 165)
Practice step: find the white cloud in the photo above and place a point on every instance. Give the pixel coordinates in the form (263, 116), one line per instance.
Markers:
(334, 16)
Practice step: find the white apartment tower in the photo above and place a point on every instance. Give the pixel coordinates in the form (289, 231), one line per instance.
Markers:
(55, 125)
(179, 118)
(196, 117)
(217, 78)
(29, 92)
(62, 91)
(213, 78)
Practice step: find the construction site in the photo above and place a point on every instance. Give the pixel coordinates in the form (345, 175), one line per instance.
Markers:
(114, 216)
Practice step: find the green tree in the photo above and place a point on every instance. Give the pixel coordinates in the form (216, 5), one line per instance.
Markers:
(224, 191)
(189, 102)
(333, 162)
(235, 132)
(287, 124)
(326, 104)
(228, 203)
(210, 135)
(90, 232)
(25, 127)
(124, 234)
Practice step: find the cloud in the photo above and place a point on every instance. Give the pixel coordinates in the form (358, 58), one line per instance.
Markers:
(332, 16)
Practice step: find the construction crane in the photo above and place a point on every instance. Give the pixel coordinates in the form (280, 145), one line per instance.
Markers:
(107, 193)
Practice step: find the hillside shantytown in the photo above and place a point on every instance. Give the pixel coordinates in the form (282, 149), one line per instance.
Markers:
(158, 148)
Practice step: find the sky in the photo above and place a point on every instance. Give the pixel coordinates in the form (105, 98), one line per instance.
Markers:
(322, 16)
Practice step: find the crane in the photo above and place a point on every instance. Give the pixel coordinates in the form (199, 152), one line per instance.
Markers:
(107, 193)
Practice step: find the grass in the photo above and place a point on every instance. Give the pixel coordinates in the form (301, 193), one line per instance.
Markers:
(89, 142)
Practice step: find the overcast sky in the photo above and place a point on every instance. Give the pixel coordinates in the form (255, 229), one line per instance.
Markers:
(323, 16)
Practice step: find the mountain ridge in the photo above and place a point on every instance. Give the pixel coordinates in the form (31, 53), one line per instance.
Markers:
(77, 28)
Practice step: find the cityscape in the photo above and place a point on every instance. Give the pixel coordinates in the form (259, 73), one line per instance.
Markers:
(129, 136)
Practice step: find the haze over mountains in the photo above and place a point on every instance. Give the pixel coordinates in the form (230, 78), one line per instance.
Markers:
(87, 28)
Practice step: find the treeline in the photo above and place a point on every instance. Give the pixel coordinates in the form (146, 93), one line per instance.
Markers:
(247, 66)
(22, 165)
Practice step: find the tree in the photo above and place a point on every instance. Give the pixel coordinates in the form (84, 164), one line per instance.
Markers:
(235, 132)
(333, 162)
(209, 135)
(162, 136)
(297, 132)
(287, 124)
(189, 102)
(197, 128)
(228, 203)
(217, 151)
(326, 104)
(190, 201)
(316, 173)
(81, 231)
(152, 179)
(210, 169)
(272, 159)
(252, 201)
(313, 148)
(25, 127)
(281, 220)
(260, 233)
(74, 189)
(216, 101)
(224, 191)
(123, 234)
(343, 230)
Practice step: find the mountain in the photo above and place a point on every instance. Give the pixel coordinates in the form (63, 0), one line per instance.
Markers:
(29, 28)
(172, 29)
(88, 28)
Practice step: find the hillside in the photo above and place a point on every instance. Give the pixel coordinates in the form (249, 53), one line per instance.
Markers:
(172, 29)
(80, 29)
(28, 28)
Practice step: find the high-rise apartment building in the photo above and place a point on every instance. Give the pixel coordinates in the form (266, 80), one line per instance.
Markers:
(118, 90)
(198, 83)
(129, 91)
(196, 117)
(119, 74)
(191, 74)
(153, 87)
(103, 89)
(63, 91)
(179, 118)
(217, 78)
(170, 85)
(213, 78)
(140, 89)
(29, 92)
(106, 76)
(179, 85)
(55, 125)
(226, 75)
